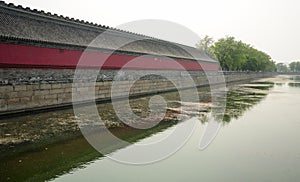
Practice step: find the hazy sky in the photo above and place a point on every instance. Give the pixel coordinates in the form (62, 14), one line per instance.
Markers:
(272, 26)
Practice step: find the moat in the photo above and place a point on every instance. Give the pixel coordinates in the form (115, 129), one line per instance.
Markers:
(258, 140)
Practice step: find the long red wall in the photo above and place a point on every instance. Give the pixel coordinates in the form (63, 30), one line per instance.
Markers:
(22, 56)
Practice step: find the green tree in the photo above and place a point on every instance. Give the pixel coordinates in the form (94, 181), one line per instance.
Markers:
(281, 67)
(229, 53)
(295, 66)
(236, 55)
(298, 66)
(205, 45)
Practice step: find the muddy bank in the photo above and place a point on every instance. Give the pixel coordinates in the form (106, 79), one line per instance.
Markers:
(24, 133)
(49, 144)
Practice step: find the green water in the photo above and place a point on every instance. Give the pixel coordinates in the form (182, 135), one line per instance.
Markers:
(258, 141)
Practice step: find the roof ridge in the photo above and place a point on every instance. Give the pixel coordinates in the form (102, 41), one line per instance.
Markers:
(72, 20)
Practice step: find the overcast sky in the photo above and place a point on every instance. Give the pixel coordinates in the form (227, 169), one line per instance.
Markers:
(272, 26)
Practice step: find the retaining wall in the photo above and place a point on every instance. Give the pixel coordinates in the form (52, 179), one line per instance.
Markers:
(27, 96)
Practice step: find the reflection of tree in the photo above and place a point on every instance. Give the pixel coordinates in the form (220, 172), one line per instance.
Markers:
(295, 78)
(77, 151)
(240, 100)
(279, 84)
(68, 149)
(294, 84)
(49, 161)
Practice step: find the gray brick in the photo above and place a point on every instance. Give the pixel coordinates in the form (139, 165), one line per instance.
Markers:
(56, 86)
(45, 86)
(25, 99)
(57, 91)
(51, 96)
(20, 88)
(25, 93)
(41, 92)
(13, 101)
(33, 87)
(4, 89)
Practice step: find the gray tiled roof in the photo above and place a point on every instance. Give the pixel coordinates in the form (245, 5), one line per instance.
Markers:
(46, 29)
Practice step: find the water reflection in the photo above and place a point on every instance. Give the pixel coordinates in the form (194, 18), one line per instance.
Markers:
(262, 145)
(245, 97)
(294, 84)
(295, 78)
(42, 146)
(45, 162)
(279, 84)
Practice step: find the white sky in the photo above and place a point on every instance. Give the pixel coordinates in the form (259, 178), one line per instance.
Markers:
(272, 26)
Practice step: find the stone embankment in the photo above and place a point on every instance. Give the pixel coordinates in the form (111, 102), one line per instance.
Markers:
(26, 96)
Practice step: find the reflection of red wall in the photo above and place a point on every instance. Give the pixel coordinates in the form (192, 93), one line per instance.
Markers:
(21, 56)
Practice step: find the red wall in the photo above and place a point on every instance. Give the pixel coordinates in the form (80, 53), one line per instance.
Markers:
(21, 56)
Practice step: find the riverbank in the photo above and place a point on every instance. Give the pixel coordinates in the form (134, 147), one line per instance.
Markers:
(23, 133)
(28, 98)
(56, 152)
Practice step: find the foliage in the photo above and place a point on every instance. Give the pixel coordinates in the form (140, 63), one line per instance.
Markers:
(295, 66)
(235, 55)
(205, 45)
(281, 67)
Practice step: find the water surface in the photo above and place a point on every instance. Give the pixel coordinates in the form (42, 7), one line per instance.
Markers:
(258, 141)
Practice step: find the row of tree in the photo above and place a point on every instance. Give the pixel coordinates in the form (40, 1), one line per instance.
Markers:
(235, 55)
(292, 67)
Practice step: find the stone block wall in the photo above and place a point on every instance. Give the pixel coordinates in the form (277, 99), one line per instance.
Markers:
(26, 97)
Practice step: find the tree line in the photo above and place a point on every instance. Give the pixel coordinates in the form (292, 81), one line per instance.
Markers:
(235, 55)
(292, 67)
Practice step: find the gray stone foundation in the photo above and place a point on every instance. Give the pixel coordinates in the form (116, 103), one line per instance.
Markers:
(25, 90)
